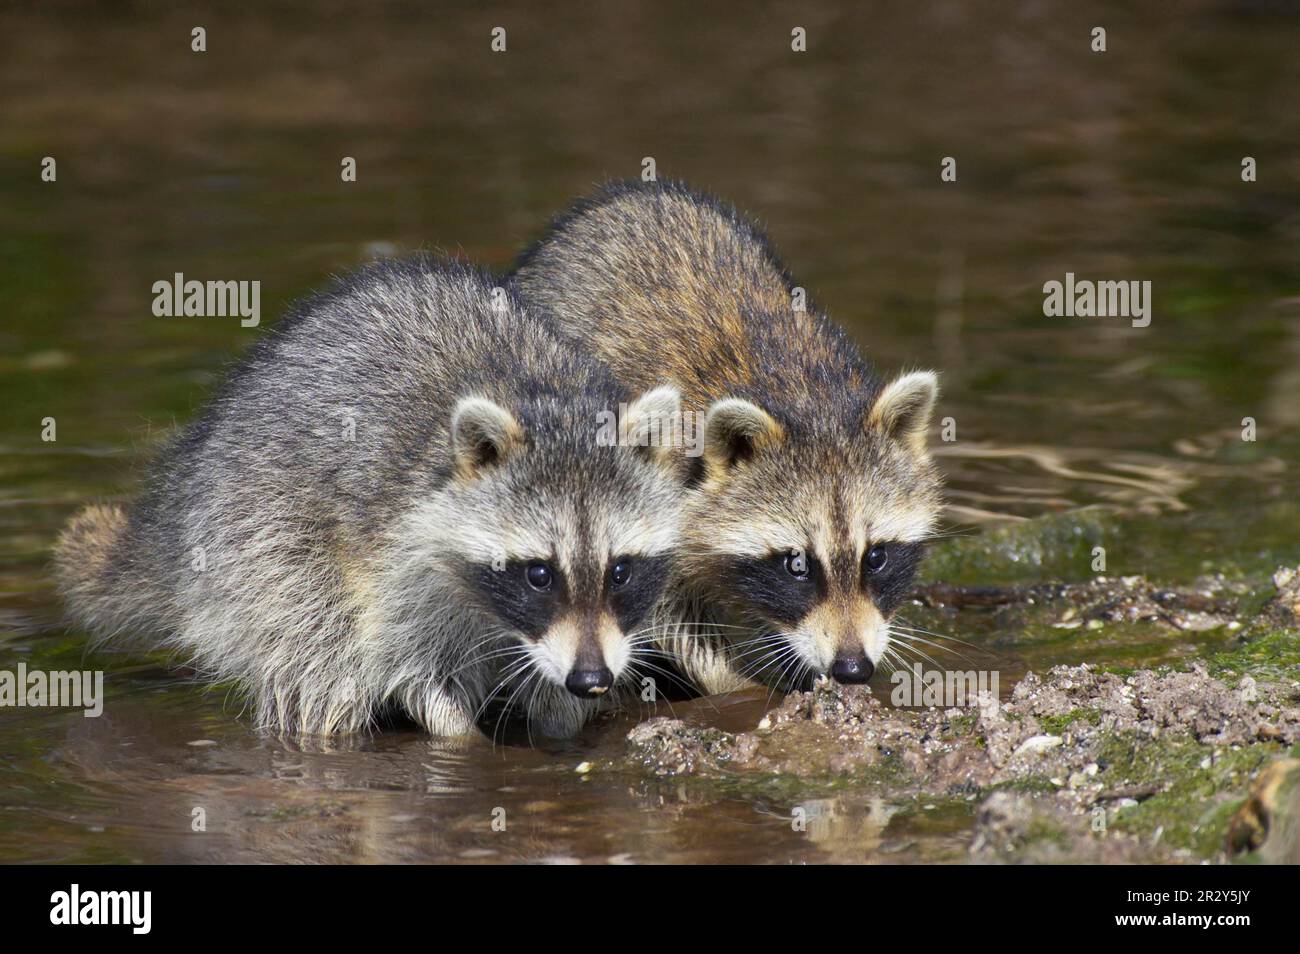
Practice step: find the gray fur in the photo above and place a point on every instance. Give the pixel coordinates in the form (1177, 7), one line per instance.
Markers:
(806, 448)
(334, 579)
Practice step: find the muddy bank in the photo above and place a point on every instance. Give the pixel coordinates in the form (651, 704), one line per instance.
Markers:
(1076, 764)
(1210, 602)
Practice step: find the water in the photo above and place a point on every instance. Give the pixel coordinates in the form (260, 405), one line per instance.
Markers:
(1122, 165)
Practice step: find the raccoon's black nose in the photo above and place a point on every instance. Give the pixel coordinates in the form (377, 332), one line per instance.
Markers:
(589, 682)
(852, 669)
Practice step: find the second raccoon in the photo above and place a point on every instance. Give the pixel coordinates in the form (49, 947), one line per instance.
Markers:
(816, 491)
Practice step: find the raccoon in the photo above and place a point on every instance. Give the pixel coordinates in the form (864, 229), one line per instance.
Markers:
(815, 493)
(396, 505)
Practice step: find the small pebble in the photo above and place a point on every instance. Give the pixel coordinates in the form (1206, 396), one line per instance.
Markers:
(1038, 744)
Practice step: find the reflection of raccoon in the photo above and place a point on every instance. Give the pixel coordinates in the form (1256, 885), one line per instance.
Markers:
(816, 486)
(396, 502)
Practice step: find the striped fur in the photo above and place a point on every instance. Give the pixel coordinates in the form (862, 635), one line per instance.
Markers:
(807, 452)
(343, 530)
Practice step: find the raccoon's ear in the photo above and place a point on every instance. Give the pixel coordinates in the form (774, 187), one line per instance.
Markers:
(482, 434)
(902, 411)
(652, 424)
(735, 429)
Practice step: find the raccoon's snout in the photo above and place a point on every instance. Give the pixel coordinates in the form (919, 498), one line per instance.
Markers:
(588, 683)
(852, 670)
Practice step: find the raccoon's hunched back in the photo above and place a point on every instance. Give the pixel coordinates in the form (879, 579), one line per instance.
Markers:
(667, 284)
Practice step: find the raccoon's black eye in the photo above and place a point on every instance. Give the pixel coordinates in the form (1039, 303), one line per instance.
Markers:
(538, 576)
(621, 572)
(876, 559)
(796, 564)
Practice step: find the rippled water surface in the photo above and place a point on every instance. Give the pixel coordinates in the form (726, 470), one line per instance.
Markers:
(1122, 165)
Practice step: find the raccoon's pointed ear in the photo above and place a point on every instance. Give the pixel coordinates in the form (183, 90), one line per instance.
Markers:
(652, 424)
(483, 433)
(735, 429)
(903, 409)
